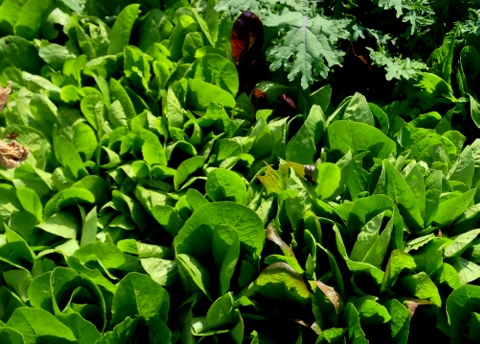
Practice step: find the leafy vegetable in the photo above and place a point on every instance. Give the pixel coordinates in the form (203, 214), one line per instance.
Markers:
(151, 148)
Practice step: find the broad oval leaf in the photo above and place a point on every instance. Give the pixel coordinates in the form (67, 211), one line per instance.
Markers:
(460, 304)
(201, 93)
(226, 185)
(348, 136)
(195, 237)
(280, 282)
(37, 325)
(138, 295)
(216, 70)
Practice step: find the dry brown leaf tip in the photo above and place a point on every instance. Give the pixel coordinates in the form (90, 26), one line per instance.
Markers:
(12, 154)
(332, 295)
(4, 93)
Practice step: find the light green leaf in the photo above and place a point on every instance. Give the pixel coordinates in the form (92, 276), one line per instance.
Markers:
(226, 185)
(464, 168)
(186, 168)
(400, 324)
(307, 47)
(38, 325)
(162, 271)
(422, 287)
(216, 70)
(121, 30)
(467, 270)
(62, 224)
(30, 202)
(475, 111)
(461, 243)
(397, 262)
(195, 237)
(393, 184)
(358, 110)
(68, 197)
(303, 146)
(168, 217)
(30, 18)
(373, 313)
(328, 177)
(69, 157)
(348, 136)
(201, 93)
(139, 295)
(280, 282)
(84, 140)
(89, 228)
(355, 332)
(10, 336)
(450, 209)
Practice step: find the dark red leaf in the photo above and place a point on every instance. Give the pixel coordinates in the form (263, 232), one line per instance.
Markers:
(247, 37)
(259, 99)
(284, 99)
(247, 41)
(286, 106)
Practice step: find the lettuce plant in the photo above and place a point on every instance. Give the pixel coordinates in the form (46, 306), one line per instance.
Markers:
(161, 203)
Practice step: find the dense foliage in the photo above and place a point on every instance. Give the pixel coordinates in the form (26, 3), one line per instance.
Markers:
(183, 188)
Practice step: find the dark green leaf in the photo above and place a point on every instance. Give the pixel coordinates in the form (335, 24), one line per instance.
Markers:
(226, 252)
(193, 274)
(84, 331)
(460, 305)
(355, 332)
(11, 336)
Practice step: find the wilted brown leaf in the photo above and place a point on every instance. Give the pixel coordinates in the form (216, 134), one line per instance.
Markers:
(4, 92)
(273, 235)
(332, 295)
(12, 154)
(412, 304)
(11, 136)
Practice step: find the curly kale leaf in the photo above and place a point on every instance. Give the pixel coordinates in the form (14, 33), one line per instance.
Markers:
(387, 4)
(471, 25)
(420, 16)
(397, 68)
(236, 7)
(305, 45)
